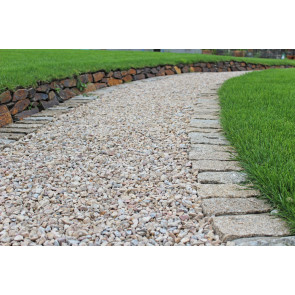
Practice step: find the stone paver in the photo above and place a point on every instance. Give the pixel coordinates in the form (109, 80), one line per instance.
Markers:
(222, 177)
(251, 225)
(200, 123)
(265, 241)
(230, 206)
(208, 138)
(207, 191)
(215, 165)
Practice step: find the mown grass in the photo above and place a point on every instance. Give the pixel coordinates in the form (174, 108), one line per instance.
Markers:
(27, 67)
(258, 116)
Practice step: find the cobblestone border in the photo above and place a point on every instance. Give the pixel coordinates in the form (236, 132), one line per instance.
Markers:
(236, 211)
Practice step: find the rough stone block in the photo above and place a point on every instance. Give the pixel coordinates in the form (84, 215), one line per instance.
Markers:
(66, 94)
(234, 206)
(20, 106)
(5, 116)
(49, 104)
(5, 97)
(113, 81)
(169, 72)
(139, 77)
(177, 70)
(20, 94)
(45, 88)
(86, 78)
(127, 78)
(250, 225)
(222, 177)
(98, 76)
(206, 191)
(132, 72)
(89, 88)
(69, 83)
(40, 96)
(117, 75)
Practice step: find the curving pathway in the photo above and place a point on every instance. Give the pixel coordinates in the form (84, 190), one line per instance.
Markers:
(114, 171)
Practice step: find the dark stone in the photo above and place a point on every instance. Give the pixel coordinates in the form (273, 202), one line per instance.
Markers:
(66, 94)
(45, 88)
(48, 104)
(5, 97)
(5, 116)
(69, 83)
(56, 85)
(139, 71)
(25, 114)
(20, 94)
(154, 71)
(40, 96)
(20, 106)
(32, 93)
(117, 75)
(149, 75)
(86, 78)
(139, 77)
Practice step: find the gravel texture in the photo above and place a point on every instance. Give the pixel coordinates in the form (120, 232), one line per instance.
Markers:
(112, 172)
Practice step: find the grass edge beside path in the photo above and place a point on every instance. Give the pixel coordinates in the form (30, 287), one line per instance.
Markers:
(257, 115)
(26, 67)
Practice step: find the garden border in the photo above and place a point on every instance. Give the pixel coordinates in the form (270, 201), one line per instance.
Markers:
(24, 102)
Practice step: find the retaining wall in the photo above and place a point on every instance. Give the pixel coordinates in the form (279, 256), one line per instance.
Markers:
(21, 103)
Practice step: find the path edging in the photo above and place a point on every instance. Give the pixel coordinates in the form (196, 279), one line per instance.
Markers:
(236, 211)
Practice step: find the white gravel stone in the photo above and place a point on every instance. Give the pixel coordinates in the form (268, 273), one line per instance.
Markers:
(114, 171)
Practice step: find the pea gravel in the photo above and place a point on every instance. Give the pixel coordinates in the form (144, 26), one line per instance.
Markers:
(112, 172)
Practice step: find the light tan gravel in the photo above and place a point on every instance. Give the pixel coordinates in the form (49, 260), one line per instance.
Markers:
(112, 172)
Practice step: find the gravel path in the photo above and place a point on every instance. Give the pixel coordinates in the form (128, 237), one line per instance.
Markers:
(112, 172)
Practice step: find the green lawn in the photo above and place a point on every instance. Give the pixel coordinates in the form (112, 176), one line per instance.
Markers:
(26, 67)
(258, 116)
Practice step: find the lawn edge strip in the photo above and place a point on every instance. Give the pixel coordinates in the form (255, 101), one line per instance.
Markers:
(227, 197)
